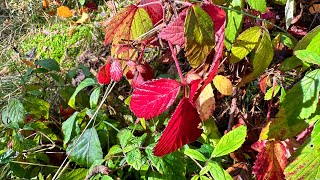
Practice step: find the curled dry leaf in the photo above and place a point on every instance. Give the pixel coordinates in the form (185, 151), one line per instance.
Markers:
(64, 11)
(205, 104)
(223, 85)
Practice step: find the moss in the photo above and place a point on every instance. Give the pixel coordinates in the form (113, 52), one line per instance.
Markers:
(56, 43)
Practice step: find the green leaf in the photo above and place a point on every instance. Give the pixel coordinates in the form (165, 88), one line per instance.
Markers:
(70, 127)
(124, 136)
(234, 22)
(141, 23)
(289, 12)
(259, 5)
(305, 162)
(17, 170)
(171, 166)
(37, 107)
(13, 114)
(230, 141)
(261, 59)
(308, 56)
(134, 159)
(245, 43)
(80, 173)
(195, 177)
(94, 97)
(314, 44)
(275, 90)
(287, 39)
(82, 2)
(42, 127)
(290, 63)
(49, 64)
(87, 149)
(199, 33)
(85, 83)
(20, 143)
(204, 178)
(217, 172)
(306, 40)
(302, 99)
(115, 149)
(195, 154)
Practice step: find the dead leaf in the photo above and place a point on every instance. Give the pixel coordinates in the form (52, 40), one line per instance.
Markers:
(45, 4)
(64, 11)
(223, 85)
(315, 8)
(84, 18)
(205, 104)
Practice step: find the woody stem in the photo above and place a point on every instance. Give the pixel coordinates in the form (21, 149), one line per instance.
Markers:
(183, 81)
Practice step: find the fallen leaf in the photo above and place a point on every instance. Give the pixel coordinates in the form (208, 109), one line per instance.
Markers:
(45, 4)
(84, 18)
(182, 129)
(64, 11)
(223, 85)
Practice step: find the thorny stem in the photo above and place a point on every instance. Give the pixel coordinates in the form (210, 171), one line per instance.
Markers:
(150, 3)
(183, 81)
(106, 94)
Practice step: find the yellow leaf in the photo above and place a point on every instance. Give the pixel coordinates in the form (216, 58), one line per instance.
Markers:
(64, 11)
(223, 85)
(84, 18)
(205, 103)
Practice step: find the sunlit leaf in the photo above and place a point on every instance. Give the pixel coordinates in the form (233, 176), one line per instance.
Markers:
(305, 162)
(199, 33)
(217, 172)
(64, 11)
(205, 104)
(223, 85)
(14, 113)
(261, 60)
(289, 10)
(195, 155)
(234, 22)
(230, 142)
(245, 43)
(271, 160)
(85, 83)
(154, 97)
(181, 129)
(37, 107)
(80, 173)
(308, 56)
(259, 5)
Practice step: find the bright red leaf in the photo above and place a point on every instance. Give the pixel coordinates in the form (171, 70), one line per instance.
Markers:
(174, 32)
(271, 160)
(116, 71)
(183, 128)
(152, 98)
(104, 74)
(155, 11)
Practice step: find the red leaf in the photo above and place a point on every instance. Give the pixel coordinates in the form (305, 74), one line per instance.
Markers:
(174, 32)
(182, 129)
(155, 11)
(263, 83)
(152, 98)
(91, 6)
(271, 160)
(115, 26)
(146, 71)
(116, 71)
(218, 17)
(104, 74)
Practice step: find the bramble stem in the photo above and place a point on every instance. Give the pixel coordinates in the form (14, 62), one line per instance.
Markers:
(183, 81)
(148, 4)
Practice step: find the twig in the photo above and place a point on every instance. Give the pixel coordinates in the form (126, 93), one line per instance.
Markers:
(183, 81)
(233, 108)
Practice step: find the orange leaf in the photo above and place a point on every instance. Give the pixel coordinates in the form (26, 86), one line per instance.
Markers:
(45, 4)
(64, 11)
(223, 84)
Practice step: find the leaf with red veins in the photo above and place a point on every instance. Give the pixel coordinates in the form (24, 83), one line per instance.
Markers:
(152, 98)
(174, 32)
(271, 160)
(116, 71)
(183, 128)
(117, 23)
(155, 11)
(104, 74)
